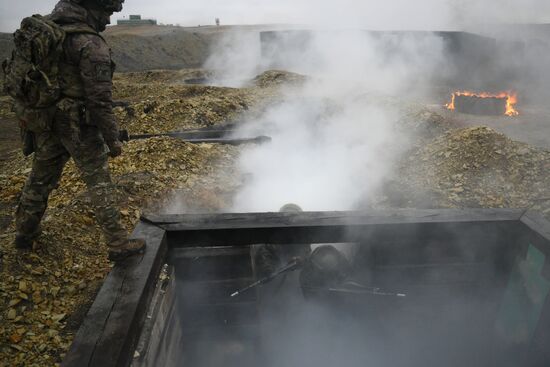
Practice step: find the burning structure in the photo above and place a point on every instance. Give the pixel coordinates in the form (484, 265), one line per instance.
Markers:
(474, 103)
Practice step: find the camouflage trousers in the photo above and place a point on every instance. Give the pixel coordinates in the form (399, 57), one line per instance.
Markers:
(53, 149)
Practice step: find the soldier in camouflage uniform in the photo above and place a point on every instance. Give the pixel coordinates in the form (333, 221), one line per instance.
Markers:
(83, 126)
(266, 258)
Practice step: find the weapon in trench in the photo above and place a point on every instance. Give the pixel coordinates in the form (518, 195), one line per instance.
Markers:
(348, 287)
(351, 287)
(199, 137)
(291, 266)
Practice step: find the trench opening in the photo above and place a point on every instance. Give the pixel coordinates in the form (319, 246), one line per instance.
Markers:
(469, 300)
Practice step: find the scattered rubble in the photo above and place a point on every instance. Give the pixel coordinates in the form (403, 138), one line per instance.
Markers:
(45, 294)
(476, 167)
(160, 102)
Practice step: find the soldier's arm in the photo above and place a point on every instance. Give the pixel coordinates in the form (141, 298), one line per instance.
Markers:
(96, 73)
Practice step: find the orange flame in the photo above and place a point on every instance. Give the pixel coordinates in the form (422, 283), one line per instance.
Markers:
(511, 100)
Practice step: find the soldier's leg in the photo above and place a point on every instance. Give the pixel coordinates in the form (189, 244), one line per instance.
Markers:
(48, 163)
(91, 158)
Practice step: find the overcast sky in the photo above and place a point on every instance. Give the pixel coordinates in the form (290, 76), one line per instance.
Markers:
(372, 14)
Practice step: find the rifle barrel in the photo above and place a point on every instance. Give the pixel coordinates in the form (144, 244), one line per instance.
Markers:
(200, 137)
(294, 264)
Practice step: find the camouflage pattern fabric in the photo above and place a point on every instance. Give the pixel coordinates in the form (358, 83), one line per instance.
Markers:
(30, 75)
(82, 123)
(53, 150)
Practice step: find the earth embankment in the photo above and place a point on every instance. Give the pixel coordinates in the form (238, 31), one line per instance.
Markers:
(145, 48)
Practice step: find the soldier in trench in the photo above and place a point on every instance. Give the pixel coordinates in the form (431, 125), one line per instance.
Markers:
(82, 127)
(280, 301)
(268, 258)
(292, 308)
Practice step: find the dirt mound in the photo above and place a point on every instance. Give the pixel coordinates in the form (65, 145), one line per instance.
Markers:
(166, 76)
(176, 49)
(478, 167)
(273, 78)
(159, 102)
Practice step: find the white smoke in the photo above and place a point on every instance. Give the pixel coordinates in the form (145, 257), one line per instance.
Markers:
(235, 67)
(468, 14)
(334, 138)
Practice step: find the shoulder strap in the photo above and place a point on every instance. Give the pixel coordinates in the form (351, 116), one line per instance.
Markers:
(80, 29)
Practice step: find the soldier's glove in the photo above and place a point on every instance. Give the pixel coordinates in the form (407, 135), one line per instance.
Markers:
(115, 149)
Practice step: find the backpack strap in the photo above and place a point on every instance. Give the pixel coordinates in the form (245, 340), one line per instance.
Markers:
(80, 29)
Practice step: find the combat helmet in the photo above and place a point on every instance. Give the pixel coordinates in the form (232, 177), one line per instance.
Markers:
(326, 267)
(290, 208)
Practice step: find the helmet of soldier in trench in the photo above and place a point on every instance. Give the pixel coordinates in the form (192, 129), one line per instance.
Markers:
(326, 267)
(290, 208)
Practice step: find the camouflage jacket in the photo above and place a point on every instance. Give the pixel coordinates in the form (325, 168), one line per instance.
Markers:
(86, 68)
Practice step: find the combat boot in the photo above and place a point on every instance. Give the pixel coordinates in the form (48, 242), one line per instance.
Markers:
(120, 250)
(25, 241)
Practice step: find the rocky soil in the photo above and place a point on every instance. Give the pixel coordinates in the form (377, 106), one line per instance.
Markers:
(476, 167)
(45, 294)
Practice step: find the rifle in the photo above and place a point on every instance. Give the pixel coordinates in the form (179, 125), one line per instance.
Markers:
(351, 287)
(291, 266)
(198, 137)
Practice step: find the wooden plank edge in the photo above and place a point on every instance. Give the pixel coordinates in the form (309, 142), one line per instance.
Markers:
(85, 344)
(340, 218)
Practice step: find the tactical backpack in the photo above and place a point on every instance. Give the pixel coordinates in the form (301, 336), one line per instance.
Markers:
(31, 75)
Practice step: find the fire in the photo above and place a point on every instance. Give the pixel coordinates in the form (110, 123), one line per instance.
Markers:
(511, 100)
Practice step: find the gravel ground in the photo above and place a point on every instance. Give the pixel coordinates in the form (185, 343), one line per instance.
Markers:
(45, 294)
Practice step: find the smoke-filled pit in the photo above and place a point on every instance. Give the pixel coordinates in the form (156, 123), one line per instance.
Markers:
(470, 293)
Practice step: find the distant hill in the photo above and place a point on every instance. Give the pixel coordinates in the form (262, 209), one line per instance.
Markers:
(144, 48)
(159, 47)
(169, 48)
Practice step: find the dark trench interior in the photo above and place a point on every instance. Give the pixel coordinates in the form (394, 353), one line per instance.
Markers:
(469, 302)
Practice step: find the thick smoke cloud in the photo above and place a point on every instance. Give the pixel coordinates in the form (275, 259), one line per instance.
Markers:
(472, 13)
(335, 138)
(335, 141)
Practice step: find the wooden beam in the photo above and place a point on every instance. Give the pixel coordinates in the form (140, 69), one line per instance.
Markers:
(322, 227)
(111, 328)
(277, 219)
